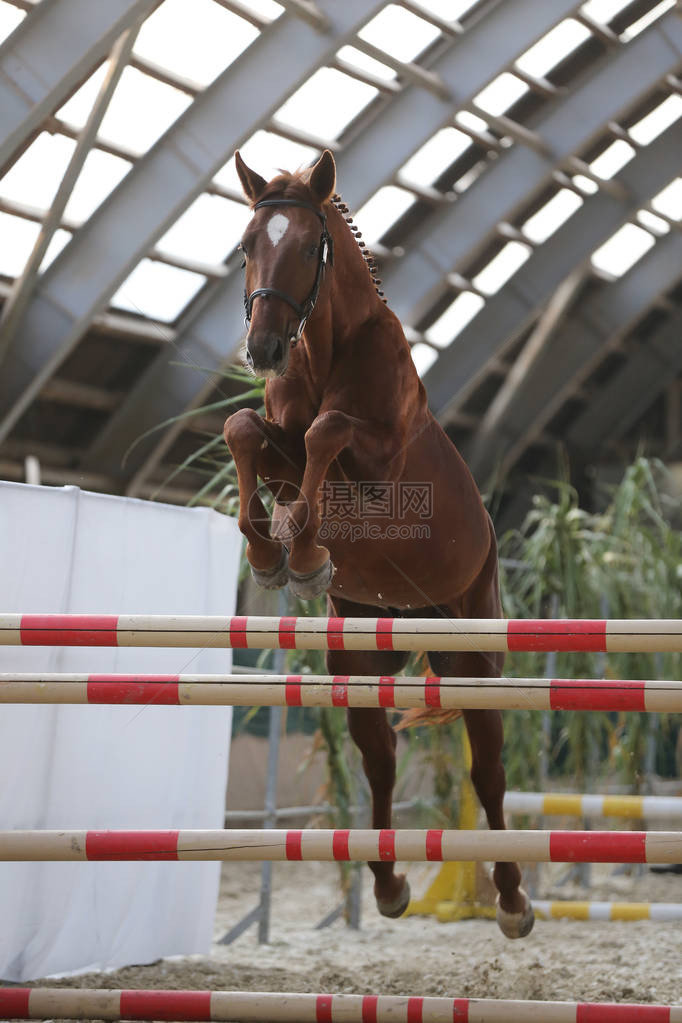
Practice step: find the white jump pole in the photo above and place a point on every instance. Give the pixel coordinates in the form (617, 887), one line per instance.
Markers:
(340, 633)
(343, 691)
(280, 1007)
(388, 845)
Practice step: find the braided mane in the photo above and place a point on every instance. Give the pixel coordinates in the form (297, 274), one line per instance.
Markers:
(366, 254)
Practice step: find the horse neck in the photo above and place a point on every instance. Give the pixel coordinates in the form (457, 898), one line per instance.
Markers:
(347, 301)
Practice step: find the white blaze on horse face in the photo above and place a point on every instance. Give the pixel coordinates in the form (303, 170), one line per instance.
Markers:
(277, 228)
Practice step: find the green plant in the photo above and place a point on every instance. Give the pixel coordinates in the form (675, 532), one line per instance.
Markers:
(621, 562)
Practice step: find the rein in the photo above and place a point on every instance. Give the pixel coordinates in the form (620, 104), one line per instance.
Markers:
(326, 253)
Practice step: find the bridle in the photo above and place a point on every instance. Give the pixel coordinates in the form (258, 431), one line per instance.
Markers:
(326, 254)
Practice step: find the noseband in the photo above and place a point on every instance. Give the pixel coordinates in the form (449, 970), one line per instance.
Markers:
(326, 253)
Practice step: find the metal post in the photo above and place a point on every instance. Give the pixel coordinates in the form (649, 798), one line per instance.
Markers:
(550, 672)
(270, 821)
(261, 913)
(361, 819)
(653, 725)
(274, 732)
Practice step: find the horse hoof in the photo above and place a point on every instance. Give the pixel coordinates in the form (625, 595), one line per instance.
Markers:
(308, 585)
(515, 925)
(395, 907)
(273, 578)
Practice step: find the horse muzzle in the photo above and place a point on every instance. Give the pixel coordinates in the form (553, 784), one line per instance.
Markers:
(267, 354)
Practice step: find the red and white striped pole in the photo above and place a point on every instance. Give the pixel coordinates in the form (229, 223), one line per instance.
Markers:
(340, 633)
(343, 691)
(268, 1007)
(388, 845)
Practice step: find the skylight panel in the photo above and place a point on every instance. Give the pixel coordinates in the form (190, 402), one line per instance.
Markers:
(399, 32)
(647, 19)
(9, 19)
(656, 224)
(585, 184)
(100, 175)
(382, 210)
(158, 291)
(553, 214)
(501, 267)
(18, 238)
(455, 318)
(36, 175)
(613, 159)
(360, 60)
(141, 110)
(656, 122)
(622, 250)
(436, 155)
(57, 242)
(208, 230)
(326, 103)
(501, 94)
(76, 109)
(449, 10)
(603, 11)
(268, 154)
(669, 200)
(563, 39)
(267, 9)
(423, 357)
(471, 121)
(195, 38)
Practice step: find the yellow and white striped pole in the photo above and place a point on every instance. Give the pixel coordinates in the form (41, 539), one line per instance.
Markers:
(549, 804)
(663, 912)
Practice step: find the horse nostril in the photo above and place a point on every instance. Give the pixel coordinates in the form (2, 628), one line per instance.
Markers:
(249, 358)
(274, 350)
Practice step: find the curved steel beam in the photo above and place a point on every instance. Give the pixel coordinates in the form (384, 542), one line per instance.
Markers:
(162, 184)
(53, 49)
(580, 345)
(370, 159)
(449, 238)
(649, 369)
(462, 365)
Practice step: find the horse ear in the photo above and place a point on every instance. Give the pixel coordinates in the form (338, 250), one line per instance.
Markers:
(323, 177)
(252, 183)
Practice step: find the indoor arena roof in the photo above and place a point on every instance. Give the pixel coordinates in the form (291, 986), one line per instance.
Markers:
(514, 165)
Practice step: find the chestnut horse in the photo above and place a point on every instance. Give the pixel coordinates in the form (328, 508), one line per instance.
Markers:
(346, 415)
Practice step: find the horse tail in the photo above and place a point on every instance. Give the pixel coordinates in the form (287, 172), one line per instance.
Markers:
(425, 715)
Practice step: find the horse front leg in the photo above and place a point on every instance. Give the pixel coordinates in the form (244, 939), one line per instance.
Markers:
(310, 567)
(259, 449)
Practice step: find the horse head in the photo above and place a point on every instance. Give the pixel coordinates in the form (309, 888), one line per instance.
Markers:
(286, 249)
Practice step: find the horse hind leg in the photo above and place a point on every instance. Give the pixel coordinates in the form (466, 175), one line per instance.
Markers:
(513, 907)
(484, 728)
(376, 740)
(514, 911)
(372, 734)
